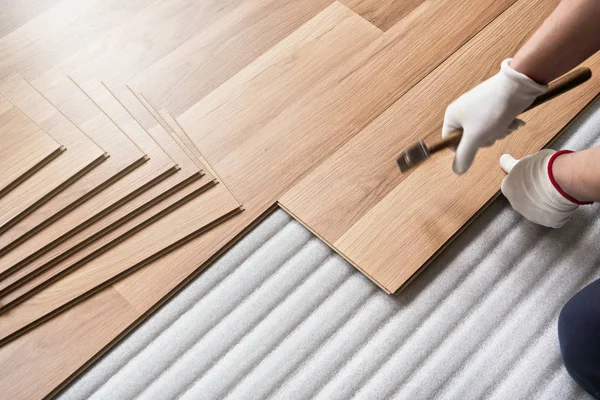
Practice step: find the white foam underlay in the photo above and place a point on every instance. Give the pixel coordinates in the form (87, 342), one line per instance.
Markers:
(280, 315)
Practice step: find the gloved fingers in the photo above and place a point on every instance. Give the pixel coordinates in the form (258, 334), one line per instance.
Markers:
(465, 153)
(451, 123)
(507, 162)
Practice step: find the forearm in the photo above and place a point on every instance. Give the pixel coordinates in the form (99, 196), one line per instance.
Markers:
(569, 36)
(578, 174)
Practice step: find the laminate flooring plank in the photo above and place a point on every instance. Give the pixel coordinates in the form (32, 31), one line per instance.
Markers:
(35, 282)
(30, 377)
(82, 156)
(337, 193)
(124, 156)
(169, 232)
(351, 208)
(313, 109)
(18, 12)
(288, 143)
(190, 174)
(143, 40)
(24, 147)
(147, 287)
(157, 167)
(45, 41)
(383, 13)
(239, 33)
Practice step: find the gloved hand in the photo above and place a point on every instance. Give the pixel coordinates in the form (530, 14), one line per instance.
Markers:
(489, 111)
(532, 191)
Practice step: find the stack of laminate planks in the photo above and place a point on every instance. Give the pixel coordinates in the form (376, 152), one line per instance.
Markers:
(126, 128)
(131, 187)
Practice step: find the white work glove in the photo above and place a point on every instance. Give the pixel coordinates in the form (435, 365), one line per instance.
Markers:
(489, 111)
(532, 191)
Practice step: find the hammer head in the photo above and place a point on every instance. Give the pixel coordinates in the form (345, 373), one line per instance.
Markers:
(412, 156)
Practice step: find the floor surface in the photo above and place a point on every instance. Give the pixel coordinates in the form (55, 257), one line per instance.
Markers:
(280, 315)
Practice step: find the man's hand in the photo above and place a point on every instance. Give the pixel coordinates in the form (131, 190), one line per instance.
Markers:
(532, 190)
(489, 111)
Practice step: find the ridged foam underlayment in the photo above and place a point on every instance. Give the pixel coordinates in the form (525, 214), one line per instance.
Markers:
(280, 315)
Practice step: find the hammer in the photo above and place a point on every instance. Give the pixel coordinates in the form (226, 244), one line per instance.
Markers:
(421, 151)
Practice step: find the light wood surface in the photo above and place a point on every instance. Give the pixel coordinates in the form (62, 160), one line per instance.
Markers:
(29, 284)
(82, 156)
(18, 12)
(32, 377)
(124, 156)
(276, 130)
(24, 147)
(398, 221)
(236, 33)
(301, 136)
(45, 41)
(189, 174)
(383, 13)
(354, 179)
(164, 235)
(157, 167)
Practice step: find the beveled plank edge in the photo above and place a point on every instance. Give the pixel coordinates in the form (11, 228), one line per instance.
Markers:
(9, 338)
(333, 247)
(23, 177)
(163, 300)
(4, 307)
(37, 204)
(96, 217)
(106, 230)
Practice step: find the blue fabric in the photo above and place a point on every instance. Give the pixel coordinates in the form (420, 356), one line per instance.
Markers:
(579, 336)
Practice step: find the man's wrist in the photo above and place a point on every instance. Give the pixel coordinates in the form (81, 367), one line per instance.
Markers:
(561, 170)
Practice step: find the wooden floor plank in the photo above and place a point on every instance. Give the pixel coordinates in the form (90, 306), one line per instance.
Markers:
(327, 112)
(152, 34)
(390, 225)
(157, 167)
(283, 147)
(169, 232)
(24, 147)
(349, 183)
(124, 156)
(35, 281)
(45, 41)
(383, 13)
(82, 156)
(108, 316)
(18, 12)
(189, 174)
(236, 35)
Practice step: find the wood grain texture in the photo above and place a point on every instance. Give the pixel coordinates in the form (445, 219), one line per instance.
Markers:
(134, 173)
(394, 224)
(124, 156)
(40, 278)
(237, 33)
(261, 92)
(56, 34)
(30, 377)
(383, 13)
(82, 156)
(354, 179)
(24, 147)
(18, 12)
(333, 110)
(189, 174)
(301, 136)
(164, 235)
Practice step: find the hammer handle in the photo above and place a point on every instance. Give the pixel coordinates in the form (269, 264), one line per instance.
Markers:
(555, 88)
